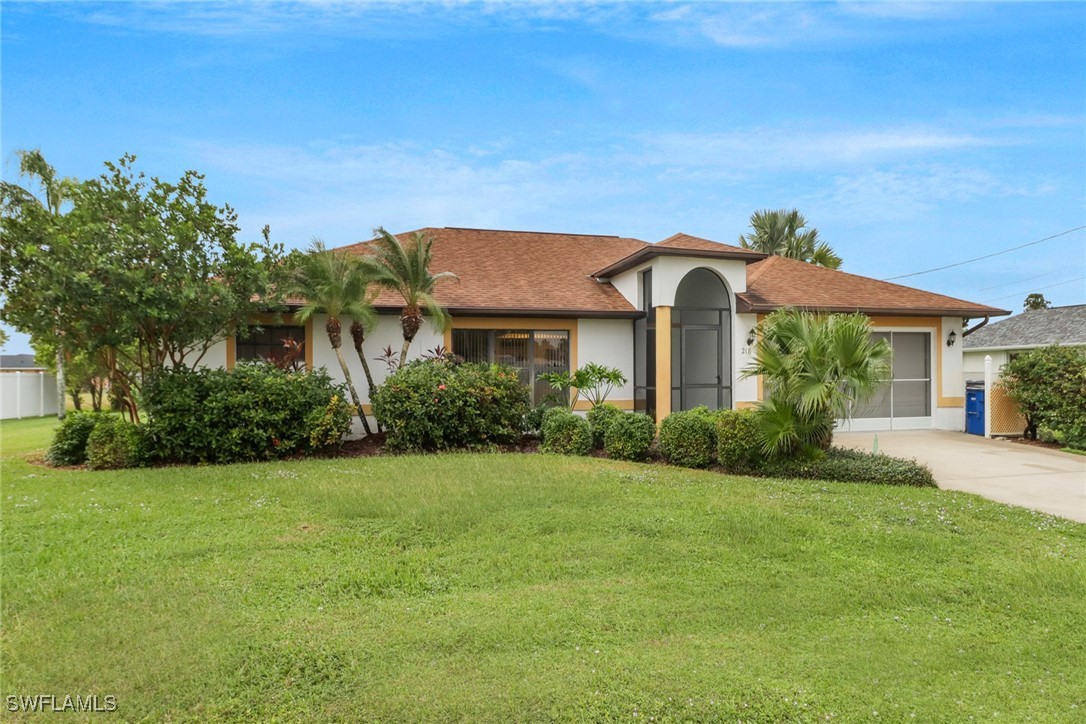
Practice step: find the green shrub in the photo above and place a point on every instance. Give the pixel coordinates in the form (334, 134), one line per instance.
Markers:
(552, 413)
(441, 404)
(252, 412)
(70, 440)
(738, 444)
(116, 443)
(327, 427)
(688, 439)
(1049, 385)
(600, 418)
(533, 418)
(566, 434)
(851, 466)
(630, 436)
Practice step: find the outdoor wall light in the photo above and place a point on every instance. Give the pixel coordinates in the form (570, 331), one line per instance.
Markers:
(951, 338)
(751, 337)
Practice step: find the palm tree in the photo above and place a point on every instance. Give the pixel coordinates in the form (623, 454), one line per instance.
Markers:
(785, 233)
(358, 336)
(334, 283)
(815, 369)
(405, 268)
(32, 165)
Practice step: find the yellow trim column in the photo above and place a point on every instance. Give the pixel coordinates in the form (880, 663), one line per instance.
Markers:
(663, 362)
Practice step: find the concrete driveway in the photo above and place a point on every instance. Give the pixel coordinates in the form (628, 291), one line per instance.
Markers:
(1032, 477)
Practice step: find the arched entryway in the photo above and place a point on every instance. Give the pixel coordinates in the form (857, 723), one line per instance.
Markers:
(701, 343)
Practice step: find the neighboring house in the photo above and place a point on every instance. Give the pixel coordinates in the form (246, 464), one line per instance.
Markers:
(1005, 340)
(26, 388)
(677, 317)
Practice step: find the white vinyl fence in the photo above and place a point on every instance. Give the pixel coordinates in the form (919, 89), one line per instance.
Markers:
(27, 394)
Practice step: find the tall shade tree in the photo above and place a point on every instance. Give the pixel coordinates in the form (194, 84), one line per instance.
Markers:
(55, 192)
(815, 370)
(784, 233)
(334, 283)
(405, 268)
(149, 273)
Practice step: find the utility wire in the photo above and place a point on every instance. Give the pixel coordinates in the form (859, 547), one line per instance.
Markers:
(1058, 284)
(1019, 281)
(986, 256)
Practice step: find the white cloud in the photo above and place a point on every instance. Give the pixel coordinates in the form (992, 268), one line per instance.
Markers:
(341, 189)
(906, 192)
(777, 148)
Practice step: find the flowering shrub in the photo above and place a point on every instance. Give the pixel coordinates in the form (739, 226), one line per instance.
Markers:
(441, 404)
(252, 412)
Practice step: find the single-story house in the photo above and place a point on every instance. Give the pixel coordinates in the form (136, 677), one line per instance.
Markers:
(677, 317)
(1006, 339)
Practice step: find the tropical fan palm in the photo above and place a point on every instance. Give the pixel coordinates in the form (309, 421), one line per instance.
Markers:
(785, 233)
(815, 369)
(334, 283)
(405, 268)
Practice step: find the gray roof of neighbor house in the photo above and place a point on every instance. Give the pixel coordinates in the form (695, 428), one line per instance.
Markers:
(1039, 328)
(18, 362)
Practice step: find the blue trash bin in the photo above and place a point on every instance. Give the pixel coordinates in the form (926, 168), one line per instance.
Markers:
(974, 410)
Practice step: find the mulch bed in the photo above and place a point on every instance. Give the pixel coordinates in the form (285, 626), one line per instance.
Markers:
(1036, 443)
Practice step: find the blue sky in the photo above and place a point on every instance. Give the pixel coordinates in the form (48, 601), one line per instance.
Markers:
(911, 135)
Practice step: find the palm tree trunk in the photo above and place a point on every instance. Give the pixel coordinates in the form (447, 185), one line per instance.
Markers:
(352, 390)
(358, 334)
(410, 322)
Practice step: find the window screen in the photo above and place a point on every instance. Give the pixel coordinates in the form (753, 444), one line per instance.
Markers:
(266, 343)
(529, 352)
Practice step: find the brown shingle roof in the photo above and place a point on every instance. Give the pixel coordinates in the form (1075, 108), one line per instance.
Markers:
(678, 245)
(531, 273)
(779, 282)
(696, 243)
(522, 272)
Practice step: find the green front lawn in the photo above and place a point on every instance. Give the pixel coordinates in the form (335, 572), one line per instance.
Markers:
(500, 587)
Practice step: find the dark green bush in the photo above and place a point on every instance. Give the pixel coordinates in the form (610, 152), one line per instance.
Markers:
(738, 443)
(440, 404)
(688, 439)
(851, 466)
(533, 418)
(70, 440)
(1049, 385)
(565, 433)
(116, 443)
(630, 436)
(600, 418)
(252, 412)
